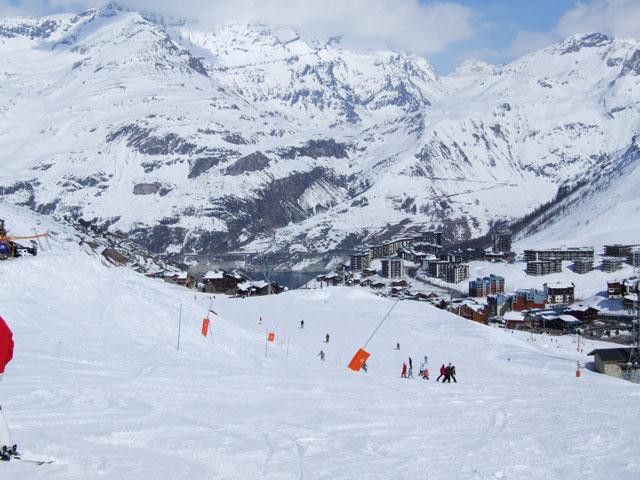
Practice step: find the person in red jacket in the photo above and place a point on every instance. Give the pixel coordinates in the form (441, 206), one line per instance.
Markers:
(443, 373)
(404, 371)
(6, 354)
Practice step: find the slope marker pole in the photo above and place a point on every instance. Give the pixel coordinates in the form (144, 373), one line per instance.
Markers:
(179, 328)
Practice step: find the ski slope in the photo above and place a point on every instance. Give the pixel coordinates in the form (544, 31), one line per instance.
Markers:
(98, 386)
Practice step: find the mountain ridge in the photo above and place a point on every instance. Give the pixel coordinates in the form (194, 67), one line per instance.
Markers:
(197, 142)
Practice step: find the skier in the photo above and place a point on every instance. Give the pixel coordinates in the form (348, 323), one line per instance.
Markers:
(447, 374)
(326, 339)
(443, 373)
(410, 374)
(398, 346)
(423, 367)
(301, 323)
(321, 355)
(452, 374)
(425, 374)
(410, 363)
(6, 354)
(260, 321)
(364, 367)
(404, 371)
(426, 360)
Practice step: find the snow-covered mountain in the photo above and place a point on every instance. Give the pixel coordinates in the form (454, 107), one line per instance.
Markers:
(205, 141)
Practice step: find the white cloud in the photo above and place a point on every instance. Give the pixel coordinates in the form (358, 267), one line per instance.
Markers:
(619, 18)
(407, 24)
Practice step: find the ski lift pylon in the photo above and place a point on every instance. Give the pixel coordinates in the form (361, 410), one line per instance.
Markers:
(205, 327)
(358, 360)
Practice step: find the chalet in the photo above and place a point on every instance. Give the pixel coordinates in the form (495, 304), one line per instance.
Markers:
(514, 320)
(613, 361)
(156, 274)
(471, 310)
(615, 289)
(219, 281)
(439, 303)
(368, 272)
(184, 279)
(549, 319)
(399, 283)
(258, 288)
(330, 279)
(559, 292)
(378, 285)
(586, 314)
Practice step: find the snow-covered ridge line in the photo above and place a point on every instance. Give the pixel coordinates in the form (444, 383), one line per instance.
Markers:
(198, 141)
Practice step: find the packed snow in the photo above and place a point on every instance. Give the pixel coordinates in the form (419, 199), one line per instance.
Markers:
(99, 387)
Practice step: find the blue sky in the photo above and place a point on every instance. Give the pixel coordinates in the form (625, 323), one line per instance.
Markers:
(498, 23)
(447, 32)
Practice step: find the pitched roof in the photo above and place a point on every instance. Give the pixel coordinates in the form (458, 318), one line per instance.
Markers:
(612, 354)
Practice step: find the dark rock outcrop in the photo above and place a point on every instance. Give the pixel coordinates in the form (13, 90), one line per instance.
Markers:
(249, 163)
(316, 149)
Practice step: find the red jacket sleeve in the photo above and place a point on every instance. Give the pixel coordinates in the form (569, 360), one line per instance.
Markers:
(6, 344)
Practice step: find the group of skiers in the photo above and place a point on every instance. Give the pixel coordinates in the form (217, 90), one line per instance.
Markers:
(447, 373)
(407, 372)
(7, 450)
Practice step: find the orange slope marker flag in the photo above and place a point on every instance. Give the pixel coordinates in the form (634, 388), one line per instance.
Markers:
(271, 337)
(205, 327)
(358, 360)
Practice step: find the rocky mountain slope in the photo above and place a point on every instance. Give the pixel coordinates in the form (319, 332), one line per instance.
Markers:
(198, 142)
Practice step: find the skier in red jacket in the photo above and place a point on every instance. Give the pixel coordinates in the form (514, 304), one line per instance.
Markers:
(6, 354)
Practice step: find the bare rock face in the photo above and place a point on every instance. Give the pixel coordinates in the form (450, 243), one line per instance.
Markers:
(150, 189)
(250, 163)
(316, 149)
(114, 257)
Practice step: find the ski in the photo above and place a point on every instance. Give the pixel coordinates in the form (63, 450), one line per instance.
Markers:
(31, 460)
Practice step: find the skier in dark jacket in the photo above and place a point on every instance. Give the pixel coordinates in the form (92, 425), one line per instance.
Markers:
(447, 374)
(326, 338)
(443, 373)
(301, 323)
(452, 373)
(321, 355)
(410, 363)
